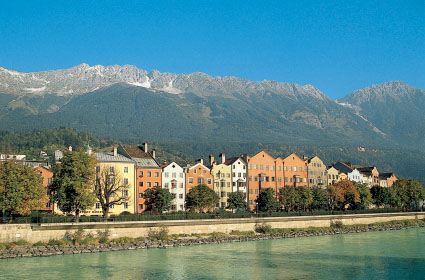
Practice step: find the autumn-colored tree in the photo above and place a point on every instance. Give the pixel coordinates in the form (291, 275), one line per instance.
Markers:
(74, 182)
(110, 189)
(21, 189)
(344, 194)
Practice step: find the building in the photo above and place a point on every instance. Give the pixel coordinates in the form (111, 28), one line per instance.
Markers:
(198, 174)
(239, 171)
(295, 171)
(387, 179)
(333, 175)
(352, 173)
(222, 177)
(148, 171)
(173, 179)
(47, 178)
(316, 172)
(264, 171)
(370, 175)
(123, 169)
(4, 157)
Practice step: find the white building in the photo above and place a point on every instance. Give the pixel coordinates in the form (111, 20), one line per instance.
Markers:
(353, 174)
(238, 166)
(173, 179)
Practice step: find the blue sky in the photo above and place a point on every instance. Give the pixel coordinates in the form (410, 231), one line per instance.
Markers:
(338, 46)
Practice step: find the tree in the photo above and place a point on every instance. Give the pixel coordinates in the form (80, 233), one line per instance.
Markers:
(74, 182)
(344, 194)
(158, 199)
(289, 198)
(201, 198)
(266, 201)
(380, 195)
(365, 196)
(236, 201)
(21, 189)
(320, 198)
(410, 193)
(306, 198)
(109, 189)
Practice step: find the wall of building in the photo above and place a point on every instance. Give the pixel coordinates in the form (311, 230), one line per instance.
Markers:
(146, 178)
(173, 179)
(34, 233)
(295, 171)
(222, 175)
(198, 174)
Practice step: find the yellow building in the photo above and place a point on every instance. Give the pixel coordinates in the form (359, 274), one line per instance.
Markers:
(334, 176)
(222, 175)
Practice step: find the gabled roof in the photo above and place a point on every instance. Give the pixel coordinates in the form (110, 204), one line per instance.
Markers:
(366, 170)
(311, 158)
(232, 160)
(109, 157)
(198, 163)
(343, 167)
(385, 176)
(292, 155)
(142, 158)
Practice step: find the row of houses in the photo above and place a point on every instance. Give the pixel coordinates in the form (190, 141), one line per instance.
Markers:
(139, 168)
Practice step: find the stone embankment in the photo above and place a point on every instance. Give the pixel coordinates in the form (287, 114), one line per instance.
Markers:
(263, 232)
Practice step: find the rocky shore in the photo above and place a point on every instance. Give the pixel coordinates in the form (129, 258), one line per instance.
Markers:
(263, 232)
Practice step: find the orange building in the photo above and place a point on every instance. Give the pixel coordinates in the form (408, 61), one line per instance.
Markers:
(264, 171)
(148, 171)
(198, 174)
(47, 176)
(295, 171)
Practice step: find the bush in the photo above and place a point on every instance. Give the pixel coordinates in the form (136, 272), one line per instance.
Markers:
(242, 233)
(158, 234)
(103, 236)
(57, 242)
(122, 240)
(4, 246)
(39, 244)
(217, 235)
(263, 228)
(337, 224)
(20, 242)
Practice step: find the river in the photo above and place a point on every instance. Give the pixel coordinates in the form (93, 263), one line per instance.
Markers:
(373, 255)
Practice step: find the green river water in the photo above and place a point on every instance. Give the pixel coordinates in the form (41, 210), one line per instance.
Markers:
(374, 255)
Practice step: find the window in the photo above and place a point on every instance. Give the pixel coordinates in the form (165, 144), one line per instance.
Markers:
(156, 184)
(173, 195)
(267, 167)
(273, 179)
(111, 169)
(140, 184)
(209, 181)
(261, 167)
(148, 174)
(181, 175)
(181, 185)
(239, 174)
(140, 195)
(49, 181)
(125, 169)
(148, 184)
(301, 169)
(141, 206)
(125, 181)
(141, 173)
(295, 168)
(166, 174)
(112, 206)
(156, 174)
(166, 185)
(125, 193)
(173, 175)
(181, 196)
(125, 205)
(190, 180)
(200, 181)
(97, 205)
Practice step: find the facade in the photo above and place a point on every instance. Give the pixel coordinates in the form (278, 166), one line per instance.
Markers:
(239, 171)
(198, 174)
(148, 172)
(222, 175)
(264, 171)
(370, 175)
(47, 177)
(295, 171)
(387, 179)
(123, 168)
(316, 172)
(352, 173)
(333, 176)
(173, 179)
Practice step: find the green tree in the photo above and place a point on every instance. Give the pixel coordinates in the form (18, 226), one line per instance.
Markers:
(289, 198)
(410, 192)
(320, 198)
(74, 183)
(266, 201)
(21, 189)
(201, 198)
(236, 201)
(158, 199)
(380, 195)
(365, 196)
(110, 189)
(306, 198)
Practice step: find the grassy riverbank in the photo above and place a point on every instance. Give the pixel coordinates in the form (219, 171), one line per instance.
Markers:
(81, 242)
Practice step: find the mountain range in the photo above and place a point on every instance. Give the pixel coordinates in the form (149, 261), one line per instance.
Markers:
(196, 110)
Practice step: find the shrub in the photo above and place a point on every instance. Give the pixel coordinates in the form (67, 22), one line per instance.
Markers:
(103, 236)
(337, 224)
(242, 233)
(263, 228)
(217, 235)
(39, 243)
(3, 246)
(122, 240)
(57, 242)
(158, 234)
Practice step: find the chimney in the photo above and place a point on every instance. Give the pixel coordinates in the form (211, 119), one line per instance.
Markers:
(145, 147)
(153, 153)
(115, 151)
(211, 159)
(70, 148)
(201, 161)
(223, 157)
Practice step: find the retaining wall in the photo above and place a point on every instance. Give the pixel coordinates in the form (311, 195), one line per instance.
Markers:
(44, 232)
